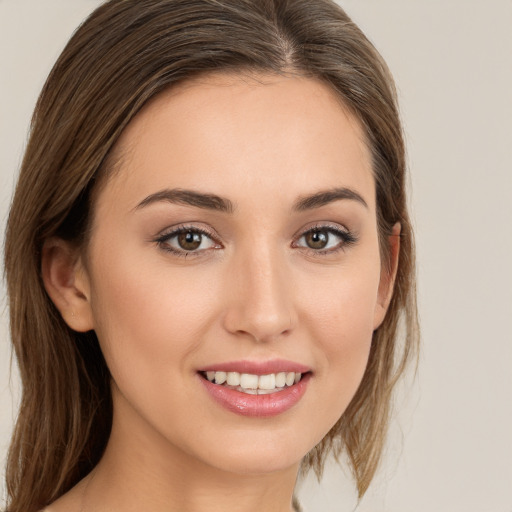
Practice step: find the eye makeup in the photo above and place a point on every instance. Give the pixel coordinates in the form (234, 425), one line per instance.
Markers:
(189, 240)
(324, 239)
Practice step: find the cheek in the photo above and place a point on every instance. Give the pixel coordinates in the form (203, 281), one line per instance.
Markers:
(340, 319)
(342, 306)
(147, 317)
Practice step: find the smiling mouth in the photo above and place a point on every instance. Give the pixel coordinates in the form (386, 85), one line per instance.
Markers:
(253, 384)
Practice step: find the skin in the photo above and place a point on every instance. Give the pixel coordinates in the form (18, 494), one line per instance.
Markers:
(253, 291)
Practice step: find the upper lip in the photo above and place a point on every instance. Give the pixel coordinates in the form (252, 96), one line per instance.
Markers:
(257, 367)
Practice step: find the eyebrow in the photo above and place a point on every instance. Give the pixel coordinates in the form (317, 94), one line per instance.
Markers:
(190, 198)
(221, 204)
(325, 197)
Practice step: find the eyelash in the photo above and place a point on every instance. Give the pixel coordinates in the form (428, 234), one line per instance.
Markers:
(347, 239)
(163, 240)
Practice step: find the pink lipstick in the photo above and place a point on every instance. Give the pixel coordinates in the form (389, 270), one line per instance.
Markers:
(256, 388)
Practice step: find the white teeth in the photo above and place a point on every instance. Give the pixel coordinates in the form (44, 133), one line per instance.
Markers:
(220, 377)
(233, 379)
(267, 381)
(249, 381)
(255, 384)
(268, 391)
(280, 380)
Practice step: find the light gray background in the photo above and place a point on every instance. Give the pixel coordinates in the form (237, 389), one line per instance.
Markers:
(451, 443)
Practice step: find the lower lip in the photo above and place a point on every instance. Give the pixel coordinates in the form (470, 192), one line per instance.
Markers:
(262, 406)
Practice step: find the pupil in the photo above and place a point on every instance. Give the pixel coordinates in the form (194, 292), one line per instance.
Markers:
(317, 239)
(189, 240)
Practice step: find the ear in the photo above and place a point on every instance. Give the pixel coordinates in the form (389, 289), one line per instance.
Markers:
(387, 277)
(67, 283)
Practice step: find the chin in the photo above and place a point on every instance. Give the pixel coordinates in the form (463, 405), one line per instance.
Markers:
(263, 464)
(260, 454)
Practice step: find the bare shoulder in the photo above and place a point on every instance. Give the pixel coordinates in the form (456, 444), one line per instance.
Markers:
(69, 502)
(63, 505)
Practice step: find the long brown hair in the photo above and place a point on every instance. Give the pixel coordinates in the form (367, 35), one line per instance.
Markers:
(125, 53)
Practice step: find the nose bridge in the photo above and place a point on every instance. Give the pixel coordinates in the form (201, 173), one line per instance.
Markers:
(261, 304)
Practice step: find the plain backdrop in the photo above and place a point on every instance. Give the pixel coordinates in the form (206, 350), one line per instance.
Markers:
(450, 447)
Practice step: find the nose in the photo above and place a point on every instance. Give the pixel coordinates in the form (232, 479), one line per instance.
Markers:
(260, 297)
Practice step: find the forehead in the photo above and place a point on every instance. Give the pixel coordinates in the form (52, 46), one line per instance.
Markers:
(227, 133)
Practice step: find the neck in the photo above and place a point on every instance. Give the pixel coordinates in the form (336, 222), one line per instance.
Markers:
(208, 489)
(137, 473)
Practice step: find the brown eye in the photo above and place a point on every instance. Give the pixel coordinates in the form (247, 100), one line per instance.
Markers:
(189, 240)
(316, 239)
(326, 239)
(185, 241)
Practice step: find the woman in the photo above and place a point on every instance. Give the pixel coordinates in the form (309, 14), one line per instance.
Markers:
(208, 256)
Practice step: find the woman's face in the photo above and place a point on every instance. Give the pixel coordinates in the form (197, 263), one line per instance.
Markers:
(238, 236)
